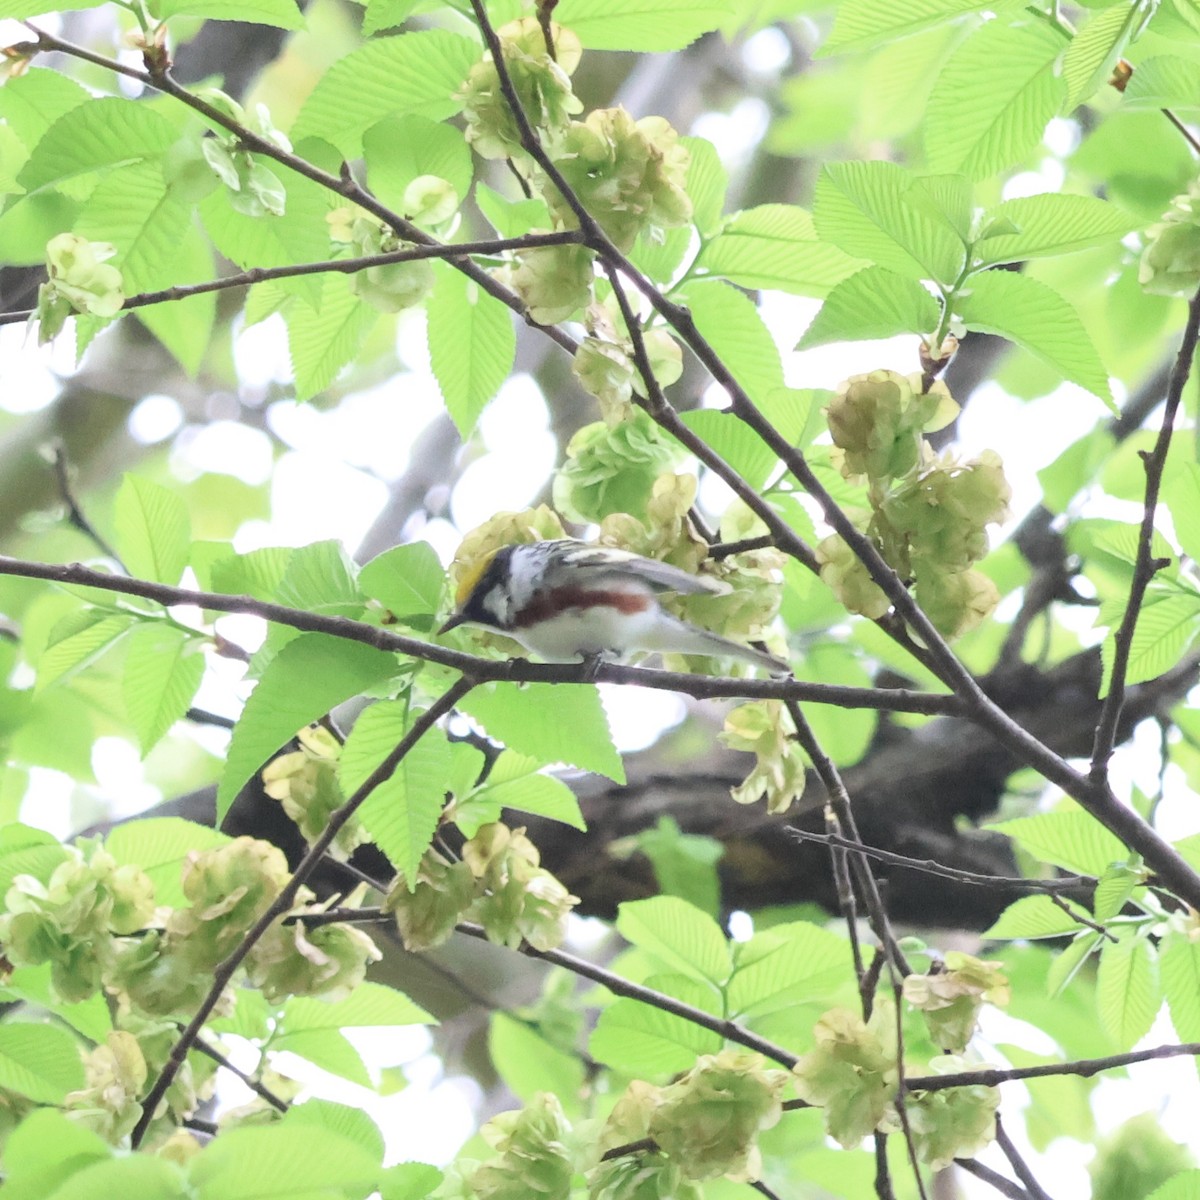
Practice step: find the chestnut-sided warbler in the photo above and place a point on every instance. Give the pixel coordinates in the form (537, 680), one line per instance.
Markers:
(565, 601)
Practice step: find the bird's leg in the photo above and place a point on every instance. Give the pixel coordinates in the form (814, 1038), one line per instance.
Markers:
(591, 664)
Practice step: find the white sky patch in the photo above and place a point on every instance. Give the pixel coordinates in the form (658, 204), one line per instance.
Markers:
(314, 496)
(518, 411)
(767, 52)
(223, 448)
(736, 133)
(260, 354)
(502, 482)
(154, 419)
(637, 716)
(119, 772)
(28, 373)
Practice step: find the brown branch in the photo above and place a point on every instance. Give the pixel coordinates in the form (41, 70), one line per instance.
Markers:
(730, 1030)
(255, 1085)
(1085, 1068)
(1020, 1167)
(485, 669)
(1004, 1186)
(343, 266)
(224, 973)
(1146, 566)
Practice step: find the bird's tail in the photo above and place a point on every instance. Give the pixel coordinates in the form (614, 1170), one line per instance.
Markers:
(678, 637)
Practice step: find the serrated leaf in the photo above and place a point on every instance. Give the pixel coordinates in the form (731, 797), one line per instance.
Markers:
(1113, 889)
(159, 845)
(678, 935)
(642, 25)
(1031, 917)
(80, 644)
(549, 722)
(1039, 320)
(399, 149)
(38, 1061)
(1051, 224)
(1069, 838)
(1179, 963)
(162, 670)
(323, 338)
(528, 1063)
(1164, 82)
(140, 1175)
(328, 1049)
(1067, 965)
(776, 246)
(320, 577)
(282, 14)
(308, 677)
(785, 965)
(369, 1006)
(1184, 1186)
(152, 529)
(407, 580)
(341, 1119)
(281, 1162)
(1167, 625)
(511, 218)
(1094, 51)
(707, 182)
(1127, 990)
(472, 343)
(872, 303)
(861, 23)
(731, 324)
(640, 1039)
(735, 442)
(402, 813)
(1182, 494)
(99, 135)
(412, 73)
(992, 101)
(31, 102)
(542, 795)
(863, 208)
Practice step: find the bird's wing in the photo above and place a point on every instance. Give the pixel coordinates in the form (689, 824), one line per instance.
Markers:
(604, 560)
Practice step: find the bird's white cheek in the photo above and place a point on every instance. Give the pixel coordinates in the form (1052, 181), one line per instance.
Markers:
(564, 638)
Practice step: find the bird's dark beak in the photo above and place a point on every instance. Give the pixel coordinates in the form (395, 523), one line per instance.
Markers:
(453, 623)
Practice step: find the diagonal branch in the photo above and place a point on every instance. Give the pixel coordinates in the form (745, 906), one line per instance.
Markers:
(225, 971)
(1146, 565)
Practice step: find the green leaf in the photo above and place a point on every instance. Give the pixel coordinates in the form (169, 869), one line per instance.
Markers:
(529, 1063)
(785, 965)
(992, 101)
(324, 337)
(1184, 1186)
(471, 345)
(707, 182)
(731, 324)
(1031, 917)
(1039, 320)
(864, 208)
(308, 677)
(1113, 890)
(416, 72)
(1167, 625)
(341, 1119)
(643, 1040)
(281, 1162)
(408, 1181)
(99, 135)
(88, 1017)
(685, 864)
(1127, 991)
(1164, 82)
(511, 218)
(163, 669)
(27, 851)
(1179, 961)
(678, 935)
(1051, 224)
(320, 577)
(776, 246)
(551, 723)
(40, 1062)
(1094, 51)
(735, 442)
(399, 149)
(1182, 494)
(862, 23)
(1067, 965)
(283, 14)
(77, 642)
(402, 813)
(45, 1149)
(542, 795)
(872, 303)
(369, 1006)
(30, 103)
(153, 532)
(407, 580)
(1069, 838)
(160, 845)
(642, 25)
(328, 1049)
(140, 1175)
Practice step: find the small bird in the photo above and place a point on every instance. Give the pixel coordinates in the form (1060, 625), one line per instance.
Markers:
(565, 601)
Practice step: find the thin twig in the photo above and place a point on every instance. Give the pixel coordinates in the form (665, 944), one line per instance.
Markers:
(730, 1030)
(1060, 902)
(1146, 566)
(1085, 1068)
(224, 973)
(929, 866)
(485, 669)
(1004, 1186)
(342, 266)
(1019, 1165)
(255, 1085)
(75, 514)
(900, 1101)
(1188, 135)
